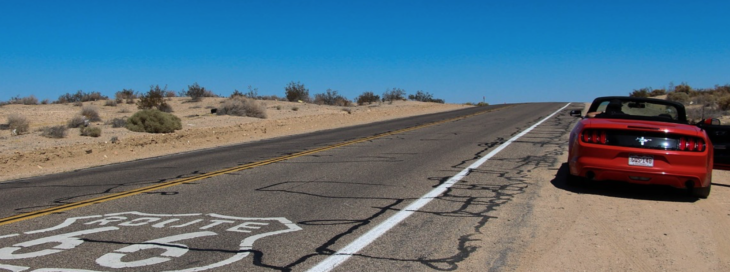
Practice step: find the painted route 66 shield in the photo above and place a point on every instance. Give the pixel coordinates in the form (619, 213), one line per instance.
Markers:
(137, 241)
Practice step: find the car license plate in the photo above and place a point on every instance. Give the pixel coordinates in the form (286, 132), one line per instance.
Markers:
(641, 160)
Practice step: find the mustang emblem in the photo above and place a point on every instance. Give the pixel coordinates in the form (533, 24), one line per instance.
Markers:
(643, 140)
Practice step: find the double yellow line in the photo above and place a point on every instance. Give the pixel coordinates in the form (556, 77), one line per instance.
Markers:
(83, 203)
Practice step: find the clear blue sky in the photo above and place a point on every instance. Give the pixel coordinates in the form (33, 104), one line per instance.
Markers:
(459, 51)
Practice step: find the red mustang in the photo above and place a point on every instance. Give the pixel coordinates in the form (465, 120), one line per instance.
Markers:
(640, 140)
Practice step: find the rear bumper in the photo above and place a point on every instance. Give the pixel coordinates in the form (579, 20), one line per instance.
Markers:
(670, 168)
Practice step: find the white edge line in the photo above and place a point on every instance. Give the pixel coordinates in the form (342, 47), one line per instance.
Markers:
(361, 242)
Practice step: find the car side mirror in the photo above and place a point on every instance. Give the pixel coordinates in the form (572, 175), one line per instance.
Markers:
(711, 121)
(576, 113)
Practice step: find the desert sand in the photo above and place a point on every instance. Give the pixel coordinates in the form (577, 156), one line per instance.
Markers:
(31, 154)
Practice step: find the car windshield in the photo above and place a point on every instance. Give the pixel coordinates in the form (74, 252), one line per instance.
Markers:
(616, 108)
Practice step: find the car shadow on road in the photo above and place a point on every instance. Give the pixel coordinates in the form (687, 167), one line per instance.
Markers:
(622, 189)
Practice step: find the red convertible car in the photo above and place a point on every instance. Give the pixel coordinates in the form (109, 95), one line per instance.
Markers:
(640, 140)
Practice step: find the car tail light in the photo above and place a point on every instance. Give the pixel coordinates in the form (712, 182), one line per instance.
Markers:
(691, 144)
(594, 136)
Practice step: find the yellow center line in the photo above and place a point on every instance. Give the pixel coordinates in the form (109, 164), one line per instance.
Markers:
(109, 197)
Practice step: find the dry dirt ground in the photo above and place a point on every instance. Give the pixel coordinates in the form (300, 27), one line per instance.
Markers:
(31, 154)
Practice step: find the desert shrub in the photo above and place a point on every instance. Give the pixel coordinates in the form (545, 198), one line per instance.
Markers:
(154, 99)
(482, 104)
(153, 121)
(331, 97)
(242, 106)
(54, 132)
(295, 108)
(683, 88)
(348, 110)
(165, 107)
(114, 139)
(367, 97)
(269, 97)
(81, 96)
(77, 121)
(394, 94)
(657, 92)
(680, 97)
(46, 101)
(253, 93)
(90, 131)
(126, 95)
(297, 92)
(78, 104)
(118, 122)
(110, 103)
(724, 103)
(644, 92)
(170, 94)
(236, 93)
(90, 113)
(424, 97)
(28, 100)
(196, 93)
(18, 124)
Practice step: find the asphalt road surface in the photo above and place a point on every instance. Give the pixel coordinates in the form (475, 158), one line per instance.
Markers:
(416, 194)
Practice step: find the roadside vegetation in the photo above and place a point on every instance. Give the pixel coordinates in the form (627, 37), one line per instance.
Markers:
(700, 103)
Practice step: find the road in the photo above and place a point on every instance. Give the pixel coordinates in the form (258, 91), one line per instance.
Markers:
(292, 203)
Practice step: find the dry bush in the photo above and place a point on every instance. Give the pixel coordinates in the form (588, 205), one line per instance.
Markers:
(110, 103)
(680, 97)
(29, 100)
(153, 121)
(296, 92)
(367, 97)
(18, 124)
(91, 113)
(91, 131)
(54, 132)
(77, 121)
(724, 103)
(196, 93)
(117, 122)
(78, 104)
(126, 95)
(242, 106)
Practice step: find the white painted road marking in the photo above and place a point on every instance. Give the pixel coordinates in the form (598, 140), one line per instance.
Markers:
(358, 244)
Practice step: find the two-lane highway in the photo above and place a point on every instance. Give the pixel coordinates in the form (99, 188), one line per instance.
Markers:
(293, 203)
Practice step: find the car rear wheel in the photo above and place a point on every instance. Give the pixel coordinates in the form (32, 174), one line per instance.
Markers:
(702, 192)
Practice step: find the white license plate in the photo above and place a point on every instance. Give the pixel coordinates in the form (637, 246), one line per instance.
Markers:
(641, 160)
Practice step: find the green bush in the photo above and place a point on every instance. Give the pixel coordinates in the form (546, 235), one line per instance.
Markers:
(242, 106)
(54, 132)
(18, 124)
(91, 131)
(80, 96)
(153, 121)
